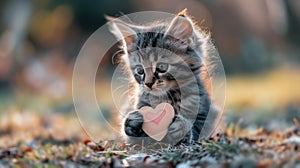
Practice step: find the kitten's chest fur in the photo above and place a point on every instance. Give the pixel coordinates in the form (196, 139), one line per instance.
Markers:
(173, 97)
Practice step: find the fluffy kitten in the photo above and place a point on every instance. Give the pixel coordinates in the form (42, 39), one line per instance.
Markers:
(165, 61)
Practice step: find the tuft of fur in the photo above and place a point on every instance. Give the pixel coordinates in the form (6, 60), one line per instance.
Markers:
(164, 61)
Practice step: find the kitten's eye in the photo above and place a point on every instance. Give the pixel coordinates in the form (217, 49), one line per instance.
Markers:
(162, 67)
(139, 70)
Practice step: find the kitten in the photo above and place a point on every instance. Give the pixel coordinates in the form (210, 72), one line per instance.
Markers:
(164, 60)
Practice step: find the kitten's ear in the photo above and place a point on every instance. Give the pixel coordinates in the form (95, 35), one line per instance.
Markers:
(183, 13)
(121, 30)
(181, 28)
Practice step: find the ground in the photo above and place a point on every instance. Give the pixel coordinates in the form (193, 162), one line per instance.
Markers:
(27, 140)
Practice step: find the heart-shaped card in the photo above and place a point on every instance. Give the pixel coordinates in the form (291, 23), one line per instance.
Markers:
(157, 121)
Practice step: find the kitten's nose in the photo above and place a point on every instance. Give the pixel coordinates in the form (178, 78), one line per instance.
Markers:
(149, 84)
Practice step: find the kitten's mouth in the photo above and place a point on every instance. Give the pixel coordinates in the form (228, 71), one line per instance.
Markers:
(156, 91)
(153, 89)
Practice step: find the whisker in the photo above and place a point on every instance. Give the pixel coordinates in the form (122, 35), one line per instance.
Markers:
(125, 92)
(118, 88)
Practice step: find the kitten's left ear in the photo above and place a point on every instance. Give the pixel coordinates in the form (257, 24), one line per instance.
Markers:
(181, 28)
(121, 30)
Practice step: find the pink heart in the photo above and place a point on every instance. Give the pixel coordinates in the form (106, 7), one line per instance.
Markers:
(153, 116)
(157, 121)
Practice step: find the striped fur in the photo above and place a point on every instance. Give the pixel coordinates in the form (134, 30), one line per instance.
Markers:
(178, 45)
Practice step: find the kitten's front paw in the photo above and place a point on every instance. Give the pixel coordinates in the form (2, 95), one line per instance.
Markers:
(133, 124)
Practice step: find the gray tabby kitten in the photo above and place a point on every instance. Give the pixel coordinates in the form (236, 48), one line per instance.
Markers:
(164, 60)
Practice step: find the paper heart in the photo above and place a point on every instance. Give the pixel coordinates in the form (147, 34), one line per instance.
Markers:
(157, 121)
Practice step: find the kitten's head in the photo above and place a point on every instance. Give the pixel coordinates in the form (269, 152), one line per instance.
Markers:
(161, 56)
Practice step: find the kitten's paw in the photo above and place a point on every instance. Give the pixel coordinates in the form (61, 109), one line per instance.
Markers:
(133, 124)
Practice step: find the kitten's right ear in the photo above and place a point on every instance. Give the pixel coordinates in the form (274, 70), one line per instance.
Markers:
(181, 28)
(121, 30)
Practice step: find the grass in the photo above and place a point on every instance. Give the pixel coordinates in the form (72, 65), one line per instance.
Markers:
(40, 144)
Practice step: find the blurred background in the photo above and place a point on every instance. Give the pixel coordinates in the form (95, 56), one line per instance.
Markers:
(258, 41)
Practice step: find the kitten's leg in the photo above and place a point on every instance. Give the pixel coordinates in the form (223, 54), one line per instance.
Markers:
(179, 130)
(133, 124)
